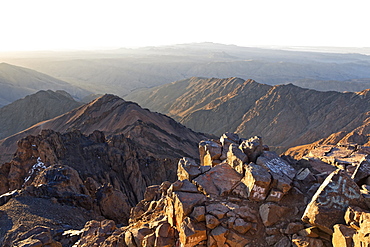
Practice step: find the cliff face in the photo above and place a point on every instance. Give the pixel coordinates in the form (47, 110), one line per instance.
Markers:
(287, 115)
(159, 134)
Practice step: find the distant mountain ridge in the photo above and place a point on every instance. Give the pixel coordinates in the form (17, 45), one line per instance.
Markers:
(159, 134)
(124, 70)
(34, 108)
(286, 115)
(17, 82)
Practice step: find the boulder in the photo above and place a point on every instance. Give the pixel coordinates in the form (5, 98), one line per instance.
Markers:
(271, 213)
(236, 158)
(219, 180)
(328, 205)
(187, 168)
(253, 147)
(209, 151)
(191, 233)
(228, 138)
(184, 204)
(217, 237)
(258, 180)
(275, 164)
(362, 171)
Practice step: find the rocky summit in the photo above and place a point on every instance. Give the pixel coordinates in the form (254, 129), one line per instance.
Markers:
(239, 193)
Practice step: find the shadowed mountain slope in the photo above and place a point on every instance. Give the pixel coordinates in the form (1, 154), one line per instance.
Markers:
(159, 134)
(32, 109)
(286, 115)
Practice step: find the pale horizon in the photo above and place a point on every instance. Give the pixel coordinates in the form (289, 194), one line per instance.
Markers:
(43, 25)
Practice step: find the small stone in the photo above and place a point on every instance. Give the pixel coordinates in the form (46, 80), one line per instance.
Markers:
(271, 213)
(211, 221)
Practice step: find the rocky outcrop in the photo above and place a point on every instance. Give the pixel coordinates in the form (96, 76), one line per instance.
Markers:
(239, 194)
(270, 202)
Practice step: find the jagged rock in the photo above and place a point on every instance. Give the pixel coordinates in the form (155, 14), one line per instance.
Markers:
(236, 158)
(362, 171)
(220, 180)
(187, 169)
(217, 209)
(342, 235)
(329, 203)
(198, 213)
(234, 239)
(192, 233)
(241, 226)
(257, 179)
(362, 236)
(275, 164)
(283, 242)
(184, 203)
(312, 232)
(217, 237)
(228, 138)
(252, 147)
(96, 232)
(300, 241)
(37, 236)
(271, 213)
(209, 151)
(293, 227)
(113, 204)
(211, 221)
(183, 186)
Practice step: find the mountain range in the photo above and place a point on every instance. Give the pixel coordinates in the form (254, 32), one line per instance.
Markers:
(17, 82)
(33, 109)
(114, 116)
(124, 70)
(287, 115)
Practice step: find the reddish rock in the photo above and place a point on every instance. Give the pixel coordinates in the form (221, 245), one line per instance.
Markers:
(217, 237)
(299, 241)
(328, 205)
(192, 233)
(211, 221)
(271, 213)
(257, 179)
(220, 180)
(188, 169)
(253, 147)
(236, 158)
(228, 138)
(184, 204)
(234, 239)
(209, 151)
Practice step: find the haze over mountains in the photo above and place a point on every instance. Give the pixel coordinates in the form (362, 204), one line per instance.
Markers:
(124, 70)
(17, 82)
(287, 115)
(116, 167)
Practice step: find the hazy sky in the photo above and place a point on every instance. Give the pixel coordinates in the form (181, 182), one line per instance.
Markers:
(80, 24)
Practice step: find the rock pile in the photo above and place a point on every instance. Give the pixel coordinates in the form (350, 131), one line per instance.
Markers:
(244, 195)
(241, 194)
